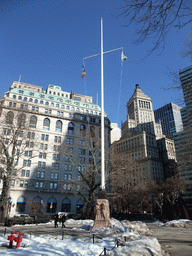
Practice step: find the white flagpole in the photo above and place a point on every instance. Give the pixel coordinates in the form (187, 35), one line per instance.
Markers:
(102, 115)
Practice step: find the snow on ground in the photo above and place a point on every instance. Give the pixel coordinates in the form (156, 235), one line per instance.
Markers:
(133, 238)
(182, 223)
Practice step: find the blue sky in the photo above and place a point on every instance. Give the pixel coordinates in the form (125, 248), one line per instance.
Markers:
(45, 42)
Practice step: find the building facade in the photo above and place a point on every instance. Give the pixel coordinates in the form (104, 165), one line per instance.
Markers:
(143, 140)
(170, 118)
(56, 119)
(183, 139)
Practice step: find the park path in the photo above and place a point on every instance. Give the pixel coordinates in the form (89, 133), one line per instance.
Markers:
(176, 241)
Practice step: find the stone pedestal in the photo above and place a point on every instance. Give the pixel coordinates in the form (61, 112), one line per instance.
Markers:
(102, 218)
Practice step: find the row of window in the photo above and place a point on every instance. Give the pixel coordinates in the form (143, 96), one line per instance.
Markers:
(40, 184)
(46, 125)
(52, 104)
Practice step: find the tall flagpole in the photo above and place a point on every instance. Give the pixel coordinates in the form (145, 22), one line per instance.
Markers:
(102, 116)
(102, 106)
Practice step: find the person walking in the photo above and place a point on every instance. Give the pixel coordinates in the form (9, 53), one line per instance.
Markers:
(56, 219)
(63, 219)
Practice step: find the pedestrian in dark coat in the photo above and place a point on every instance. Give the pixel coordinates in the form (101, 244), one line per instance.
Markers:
(63, 219)
(56, 219)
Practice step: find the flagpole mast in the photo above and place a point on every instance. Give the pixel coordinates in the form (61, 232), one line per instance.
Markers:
(102, 115)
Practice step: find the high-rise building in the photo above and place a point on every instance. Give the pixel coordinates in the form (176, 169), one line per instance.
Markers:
(170, 118)
(56, 120)
(143, 140)
(183, 140)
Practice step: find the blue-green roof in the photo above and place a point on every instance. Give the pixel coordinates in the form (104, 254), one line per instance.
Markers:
(62, 100)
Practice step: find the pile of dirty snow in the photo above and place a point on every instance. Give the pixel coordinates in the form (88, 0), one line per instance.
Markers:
(182, 223)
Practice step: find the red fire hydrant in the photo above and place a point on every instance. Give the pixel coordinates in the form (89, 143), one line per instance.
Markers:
(11, 238)
(19, 239)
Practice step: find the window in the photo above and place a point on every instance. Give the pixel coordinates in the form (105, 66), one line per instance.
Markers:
(41, 102)
(36, 101)
(92, 131)
(31, 100)
(27, 173)
(82, 151)
(51, 185)
(70, 141)
(44, 137)
(37, 184)
(21, 120)
(37, 109)
(55, 185)
(9, 117)
(23, 173)
(69, 177)
(50, 111)
(58, 126)
(38, 174)
(82, 130)
(46, 103)
(21, 183)
(26, 184)
(12, 183)
(46, 124)
(41, 184)
(41, 165)
(55, 166)
(33, 121)
(70, 128)
(30, 135)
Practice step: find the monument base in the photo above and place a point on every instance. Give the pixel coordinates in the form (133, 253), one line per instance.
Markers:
(102, 218)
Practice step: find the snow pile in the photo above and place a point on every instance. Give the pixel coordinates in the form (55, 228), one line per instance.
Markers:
(79, 222)
(137, 227)
(182, 223)
(132, 238)
(141, 247)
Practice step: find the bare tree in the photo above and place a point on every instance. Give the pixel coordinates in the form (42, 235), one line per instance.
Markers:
(87, 163)
(16, 140)
(154, 18)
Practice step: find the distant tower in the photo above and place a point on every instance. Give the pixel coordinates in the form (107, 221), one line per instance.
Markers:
(140, 115)
(170, 117)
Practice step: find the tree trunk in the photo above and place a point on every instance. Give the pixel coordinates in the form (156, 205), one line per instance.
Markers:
(5, 198)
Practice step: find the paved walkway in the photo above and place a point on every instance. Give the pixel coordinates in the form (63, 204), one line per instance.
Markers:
(176, 241)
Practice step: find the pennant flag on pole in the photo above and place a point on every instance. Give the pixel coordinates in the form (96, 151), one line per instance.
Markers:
(83, 72)
(123, 57)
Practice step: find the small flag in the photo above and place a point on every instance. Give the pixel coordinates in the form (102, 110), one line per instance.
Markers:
(123, 57)
(83, 72)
